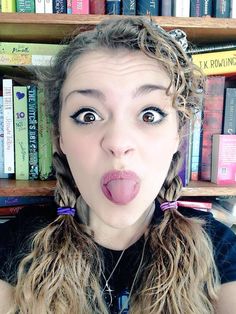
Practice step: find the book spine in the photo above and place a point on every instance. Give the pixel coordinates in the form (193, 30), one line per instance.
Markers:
(80, 6)
(3, 175)
(21, 132)
(166, 8)
(206, 7)
(216, 63)
(148, 7)
(39, 6)
(233, 9)
(8, 6)
(48, 6)
(69, 6)
(113, 7)
(212, 121)
(33, 132)
(44, 138)
(229, 123)
(9, 159)
(24, 200)
(221, 8)
(29, 48)
(97, 7)
(181, 8)
(59, 6)
(25, 6)
(11, 210)
(195, 8)
(129, 7)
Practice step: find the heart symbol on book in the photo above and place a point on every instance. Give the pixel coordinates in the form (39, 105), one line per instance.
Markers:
(20, 95)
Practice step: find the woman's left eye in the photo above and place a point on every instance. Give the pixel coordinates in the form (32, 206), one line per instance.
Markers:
(86, 116)
(152, 115)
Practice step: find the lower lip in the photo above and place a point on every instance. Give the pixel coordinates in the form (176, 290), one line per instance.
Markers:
(120, 187)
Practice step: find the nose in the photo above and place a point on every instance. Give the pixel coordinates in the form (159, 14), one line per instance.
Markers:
(117, 141)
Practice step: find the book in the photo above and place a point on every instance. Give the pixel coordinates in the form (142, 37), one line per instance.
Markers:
(211, 47)
(25, 6)
(9, 156)
(8, 5)
(33, 132)
(3, 175)
(196, 205)
(223, 171)
(10, 210)
(195, 8)
(181, 8)
(44, 138)
(233, 9)
(59, 6)
(129, 7)
(97, 6)
(166, 8)
(39, 6)
(113, 7)
(7, 201)
(221, 8)
(80, 6)
(69, 6)
(21, 133)
(206, 7)
(148, 7)
(213, 103)
(48, 5)
(184, 149)
(216, 63)
(229, 120)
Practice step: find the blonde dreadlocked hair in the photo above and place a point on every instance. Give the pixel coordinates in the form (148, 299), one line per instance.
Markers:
(62, 273)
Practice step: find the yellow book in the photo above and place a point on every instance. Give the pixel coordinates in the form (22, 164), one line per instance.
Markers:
(216, 63)
(8, 5)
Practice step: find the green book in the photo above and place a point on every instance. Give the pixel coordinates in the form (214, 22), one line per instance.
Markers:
(21, 132)
(44, 138)
(25, 6)
(29, 48)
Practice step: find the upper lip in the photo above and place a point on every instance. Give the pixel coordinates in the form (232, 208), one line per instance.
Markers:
(119, 174)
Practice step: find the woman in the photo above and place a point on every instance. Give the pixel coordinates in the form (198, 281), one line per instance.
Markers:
(119, 96)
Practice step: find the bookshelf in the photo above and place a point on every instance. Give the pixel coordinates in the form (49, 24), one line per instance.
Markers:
(52, 28)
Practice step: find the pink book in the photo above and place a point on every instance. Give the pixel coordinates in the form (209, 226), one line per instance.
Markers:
(224, 159)
(80, 6)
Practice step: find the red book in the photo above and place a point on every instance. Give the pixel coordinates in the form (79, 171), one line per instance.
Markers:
(97, 6)
(212, 121)
(224, 159)
(80, 6)
(10, 210)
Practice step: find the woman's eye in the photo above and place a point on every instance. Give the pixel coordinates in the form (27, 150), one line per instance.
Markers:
(152, 115)
(86, 116)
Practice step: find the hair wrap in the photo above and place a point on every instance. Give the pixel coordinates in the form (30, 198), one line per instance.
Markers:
(169, 205)
(65, 211)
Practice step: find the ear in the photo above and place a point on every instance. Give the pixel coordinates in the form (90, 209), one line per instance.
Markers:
(61, 145)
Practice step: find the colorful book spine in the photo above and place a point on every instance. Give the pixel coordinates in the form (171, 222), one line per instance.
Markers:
(59, 6)
(212, 121)
(80, 6)
(221, 8)
(25, 6)
(48, 5)
(195, 8)
(8, 6)
(3, 175)
(206, 7)
(69, 6)
(39, 6)
(113, 7)
(17, 48)
(97, 7)
(233, 9)
(24, 200)
(181, 8)
(216, 63)
(148, 7)
(33, 132)
(166, 8)
(9, 159)
(224, 159)
(10, 211)
(129, 7)
(21, 132)
(44, 138)
(229, 123)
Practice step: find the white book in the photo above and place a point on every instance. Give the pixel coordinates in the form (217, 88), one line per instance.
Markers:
(9, 157)
(48, 6)
(181, 8)
(3, 175)
(39, 6)
(233, 9)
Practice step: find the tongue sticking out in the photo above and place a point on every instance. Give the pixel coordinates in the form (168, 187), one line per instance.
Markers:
(121, 191)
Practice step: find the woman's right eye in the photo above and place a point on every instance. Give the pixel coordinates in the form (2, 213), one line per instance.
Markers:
(86, 116)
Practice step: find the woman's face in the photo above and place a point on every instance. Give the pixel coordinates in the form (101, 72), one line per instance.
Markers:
(119, 133)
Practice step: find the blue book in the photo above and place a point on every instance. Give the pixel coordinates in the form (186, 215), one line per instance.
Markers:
(221, 8)
(113, 7)
(33, 132)
(59, 6)
(24, 200)
(148, 7)
(129, 7)
(3, 175)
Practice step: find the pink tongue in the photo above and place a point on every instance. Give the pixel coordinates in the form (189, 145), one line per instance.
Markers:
(122, 191)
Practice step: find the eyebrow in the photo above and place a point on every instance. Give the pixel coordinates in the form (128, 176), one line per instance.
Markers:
(95, 93)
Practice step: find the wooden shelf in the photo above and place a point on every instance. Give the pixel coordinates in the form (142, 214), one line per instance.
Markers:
(31, 27)
(46, 188)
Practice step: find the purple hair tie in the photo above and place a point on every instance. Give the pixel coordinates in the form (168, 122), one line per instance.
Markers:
(169, 205)
(65, 211)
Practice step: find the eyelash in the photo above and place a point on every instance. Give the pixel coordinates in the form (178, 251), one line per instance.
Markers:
(156, 109)
(84, 110)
